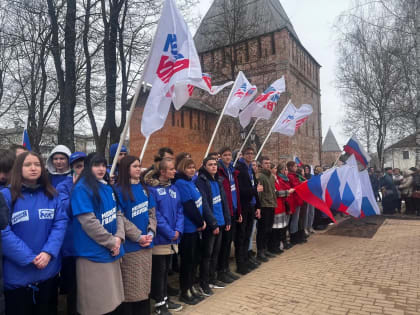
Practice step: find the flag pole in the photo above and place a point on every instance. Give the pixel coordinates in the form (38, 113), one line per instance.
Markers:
(220, 119)
(271, 130)
(144, 148)
(246, 140)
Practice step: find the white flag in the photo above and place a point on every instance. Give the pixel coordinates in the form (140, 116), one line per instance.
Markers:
(263, 106)
(173, 60)
(369, 204)
(180, 93)
(243, 92)
(292, 118)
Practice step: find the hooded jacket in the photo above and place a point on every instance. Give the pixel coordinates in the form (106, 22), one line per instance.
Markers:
(204, 184)
(247, 188)
(228, 188)
(37, 224)
(64, 190)
(192, 202)
(268, 197)
(169, 211)
(4, 221)
(56, 178)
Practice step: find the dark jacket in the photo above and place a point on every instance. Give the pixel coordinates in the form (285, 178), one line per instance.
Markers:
(204, 186)
(226, 185)
(4, 220)
(246, 188)
(268, 197)
(388, 187)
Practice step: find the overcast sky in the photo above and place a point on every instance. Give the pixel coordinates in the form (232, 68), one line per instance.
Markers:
(313, 21)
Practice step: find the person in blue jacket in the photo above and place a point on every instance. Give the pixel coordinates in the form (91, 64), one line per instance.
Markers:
(98, 231)
(138, 207)
(68, 268)
(217, 216)
(33, 239)
(194, 223)
(170, 226)
(58, 165)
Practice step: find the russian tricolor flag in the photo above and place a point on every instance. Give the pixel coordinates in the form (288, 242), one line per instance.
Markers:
(25, 139)
(298, 162)
(353, 146)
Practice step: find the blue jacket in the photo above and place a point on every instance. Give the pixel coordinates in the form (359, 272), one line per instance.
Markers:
(64, 189)
(192, 203)
(82, 201)
(169, 214)
(204, 184)
(37, 224)
(137, 212)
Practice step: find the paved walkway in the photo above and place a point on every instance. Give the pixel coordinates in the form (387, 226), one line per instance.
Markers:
(331, 275)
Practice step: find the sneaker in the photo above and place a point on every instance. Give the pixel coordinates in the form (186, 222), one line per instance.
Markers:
(205, 290)
(216, 284)
(251, 266)
(254, 261)
(173, 306)
(261, 257)
(162, 310)
(287, 246)
(188, 298)
(232, 275)
(269, 254)
(196, 291)
(223, 277)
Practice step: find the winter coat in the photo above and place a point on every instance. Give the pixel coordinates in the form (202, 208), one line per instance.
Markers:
(397, 181)
(294, 181)
(37, 224)
(192, 202)
(83, 202)
(388, 187)
(282, 194)
(137, 212)
(247, 187)
(268, 197)
(228, 189)
(169, 211)
(407, 186)
(204, 183)
(64, 189)
(56, 178)
(4, 221)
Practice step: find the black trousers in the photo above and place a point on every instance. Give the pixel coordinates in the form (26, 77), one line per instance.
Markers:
(160, 268)
(41, 299)
(227, 238)
(276, 237)
(264, 227)
(68, 284)
(189, 252)
(210, 255)
(135, 308)
(243, 234)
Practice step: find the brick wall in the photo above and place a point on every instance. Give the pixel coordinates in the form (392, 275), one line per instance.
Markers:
(187, 130)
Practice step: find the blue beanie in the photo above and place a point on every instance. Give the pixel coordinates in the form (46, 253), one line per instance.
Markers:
(77, 156)
(113, 150)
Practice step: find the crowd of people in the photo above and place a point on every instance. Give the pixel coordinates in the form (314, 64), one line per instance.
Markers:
(108, 243)
(394, 187)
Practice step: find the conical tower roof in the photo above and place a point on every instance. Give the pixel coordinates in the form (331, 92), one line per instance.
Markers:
(330, 143)
(256, 18)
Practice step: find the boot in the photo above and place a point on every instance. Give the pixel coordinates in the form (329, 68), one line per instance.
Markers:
(261, 256)
(294, 238)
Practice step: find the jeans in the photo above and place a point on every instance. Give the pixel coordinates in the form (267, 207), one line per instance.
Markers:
(42, 299)
(211, 249)
(189, 252)
(227, 237)
(243, 234)
(264, 226)
(294, 223)
(160, 268)
(310, 215)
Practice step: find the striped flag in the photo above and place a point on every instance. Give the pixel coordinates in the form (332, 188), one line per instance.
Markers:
(25, 138)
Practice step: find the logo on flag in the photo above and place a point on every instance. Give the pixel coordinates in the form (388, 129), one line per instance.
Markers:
(242, 94)
(167, 67)
(292, 118)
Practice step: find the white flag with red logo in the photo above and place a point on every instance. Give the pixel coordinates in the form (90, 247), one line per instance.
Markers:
(243, 92)
(180, 93)
(263, 106)
(292, 118)
(173, 61)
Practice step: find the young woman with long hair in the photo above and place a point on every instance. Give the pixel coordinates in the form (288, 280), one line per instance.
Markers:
(33, 239)
(138, 207)
(98, 234)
